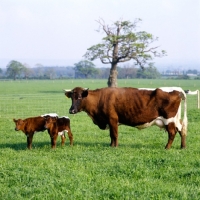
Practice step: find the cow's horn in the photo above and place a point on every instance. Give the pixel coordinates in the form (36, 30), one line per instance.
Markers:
(67, 90)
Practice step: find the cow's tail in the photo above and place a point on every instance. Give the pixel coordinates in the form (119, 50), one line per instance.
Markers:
(185, 120)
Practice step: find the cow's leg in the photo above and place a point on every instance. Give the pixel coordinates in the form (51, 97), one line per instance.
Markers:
(182, 135)
(171, 129)
(113, 132)
(183, 140)
(29, 141)
(70, 135)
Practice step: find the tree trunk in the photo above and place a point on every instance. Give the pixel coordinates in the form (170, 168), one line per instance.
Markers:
(112, 79)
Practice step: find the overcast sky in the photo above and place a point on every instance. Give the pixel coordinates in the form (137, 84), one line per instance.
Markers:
(58, 32)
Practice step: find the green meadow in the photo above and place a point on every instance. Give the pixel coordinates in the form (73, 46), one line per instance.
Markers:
(140, 168)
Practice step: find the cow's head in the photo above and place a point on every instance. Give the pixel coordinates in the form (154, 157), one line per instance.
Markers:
(18, 124)
(77, 95)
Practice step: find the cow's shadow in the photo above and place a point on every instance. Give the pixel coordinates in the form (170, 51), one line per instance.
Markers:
(23, 145)
(150, 146)
(121, 145)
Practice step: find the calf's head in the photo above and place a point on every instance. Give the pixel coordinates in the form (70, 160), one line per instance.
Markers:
(19, 123)
(76, 95)
(49, 121)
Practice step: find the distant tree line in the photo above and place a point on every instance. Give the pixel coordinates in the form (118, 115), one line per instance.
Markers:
(16, 70)
(83, 69)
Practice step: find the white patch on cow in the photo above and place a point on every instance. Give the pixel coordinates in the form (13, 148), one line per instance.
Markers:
(162, 122)
(146, 88)
(62, 132)
(171, 89)
(158, 122)
(50, 114)
(64, 117)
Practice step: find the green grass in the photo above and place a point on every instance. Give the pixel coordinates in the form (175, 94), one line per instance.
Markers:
(139, 168)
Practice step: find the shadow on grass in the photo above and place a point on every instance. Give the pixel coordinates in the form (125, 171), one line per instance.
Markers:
(40, 145)
(23, 145)
(121, 145)
(150, 146)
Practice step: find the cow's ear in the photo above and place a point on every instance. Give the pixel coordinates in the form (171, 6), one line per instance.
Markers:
(85, 92)
(68, 93)
(14, 120)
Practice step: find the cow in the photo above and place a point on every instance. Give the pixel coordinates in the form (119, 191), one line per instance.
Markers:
(140, 108)
(58, 126)
(31, 125)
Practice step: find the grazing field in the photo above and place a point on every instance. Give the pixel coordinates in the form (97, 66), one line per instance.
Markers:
(139, 168)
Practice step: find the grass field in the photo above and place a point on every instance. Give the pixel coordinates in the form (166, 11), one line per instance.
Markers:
(139, 168)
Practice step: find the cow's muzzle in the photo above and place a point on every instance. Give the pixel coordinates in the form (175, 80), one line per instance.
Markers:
(16, 129)
(72, 111)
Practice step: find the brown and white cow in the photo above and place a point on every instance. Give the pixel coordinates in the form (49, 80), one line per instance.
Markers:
(31, 125)
(58, 126)
(134, 107)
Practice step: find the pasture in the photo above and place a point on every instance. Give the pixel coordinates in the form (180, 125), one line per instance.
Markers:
(140, 168)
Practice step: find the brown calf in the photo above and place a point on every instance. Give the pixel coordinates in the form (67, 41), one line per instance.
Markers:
(58, 126)
(30, 126)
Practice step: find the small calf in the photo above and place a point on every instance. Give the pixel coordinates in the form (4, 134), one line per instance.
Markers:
(58, 126)
(31, 125)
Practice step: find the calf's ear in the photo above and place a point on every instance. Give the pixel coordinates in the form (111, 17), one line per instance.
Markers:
(53, 119)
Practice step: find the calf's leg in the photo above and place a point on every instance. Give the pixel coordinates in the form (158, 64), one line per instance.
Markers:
(70, 135)
(29, 140)
(63, 138)
(53, 141)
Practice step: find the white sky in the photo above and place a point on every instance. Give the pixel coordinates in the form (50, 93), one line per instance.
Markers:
(58, 32)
